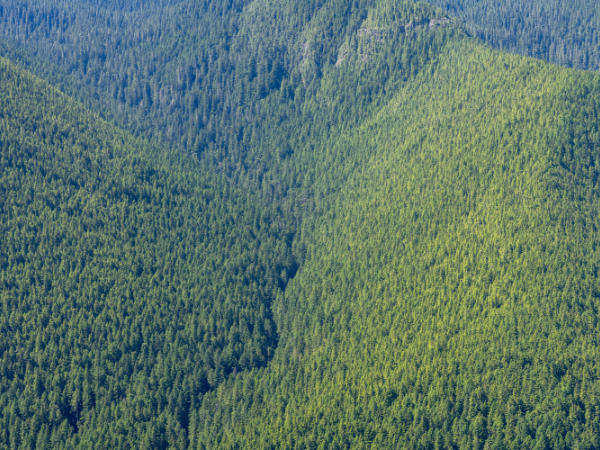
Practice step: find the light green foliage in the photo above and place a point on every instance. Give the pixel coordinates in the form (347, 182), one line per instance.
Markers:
(449, 292)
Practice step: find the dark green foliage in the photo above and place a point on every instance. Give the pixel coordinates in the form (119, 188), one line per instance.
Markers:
(564, 32)
(130, 282)
(449, 294)
(220, 79)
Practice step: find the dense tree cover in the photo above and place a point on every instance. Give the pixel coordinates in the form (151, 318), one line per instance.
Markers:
(195, 73)
(565, 32)
(449, 295)
(439, 198)
(213, 77)
(137, 377)
(131, 282)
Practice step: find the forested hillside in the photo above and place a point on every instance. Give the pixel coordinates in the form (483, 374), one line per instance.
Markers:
(449, 296)
(565, 32)
(207, 76)
(131, 282)
(327, 224)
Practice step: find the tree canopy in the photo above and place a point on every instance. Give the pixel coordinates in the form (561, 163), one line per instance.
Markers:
(300, 224)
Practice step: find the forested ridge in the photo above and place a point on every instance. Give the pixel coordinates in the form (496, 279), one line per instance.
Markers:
(207, 76)
(449, 293)
(131, 281)
(564, 32)
(298, 224)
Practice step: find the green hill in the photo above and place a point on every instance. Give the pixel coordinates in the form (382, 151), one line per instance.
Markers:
(196, 73)
(131, 282)
(449, 294)
(216, 78)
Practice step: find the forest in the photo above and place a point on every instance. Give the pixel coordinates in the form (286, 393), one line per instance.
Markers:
(300, 224)
(563, 32)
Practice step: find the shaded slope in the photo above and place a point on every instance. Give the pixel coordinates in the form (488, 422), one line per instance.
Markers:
(222, 79)
(563, 32)
(450, 291)
(131, 282)
(218, 276)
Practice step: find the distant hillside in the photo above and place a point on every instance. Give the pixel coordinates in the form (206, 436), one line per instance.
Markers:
(131, 282)
(212, 77)
(196, 73)
(563, 32)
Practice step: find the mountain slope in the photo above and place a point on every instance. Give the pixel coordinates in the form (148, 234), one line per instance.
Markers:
(131, 282)
(563, 32)
(212, 77)
(439, 198)
(197, 74)
(180, 299)
(449, 294)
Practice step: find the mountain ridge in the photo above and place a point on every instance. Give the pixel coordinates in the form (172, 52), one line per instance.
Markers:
(122, 265)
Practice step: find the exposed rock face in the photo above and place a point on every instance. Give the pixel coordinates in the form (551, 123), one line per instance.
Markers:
(370, 36)
(439, 22)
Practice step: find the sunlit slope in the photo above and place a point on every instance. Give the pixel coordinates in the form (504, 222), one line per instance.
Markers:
(130, 281)
(450, 291)
(440, 200)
